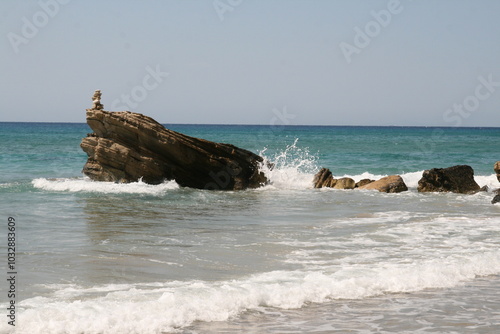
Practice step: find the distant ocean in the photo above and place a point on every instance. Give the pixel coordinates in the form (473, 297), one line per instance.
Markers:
(97, 257)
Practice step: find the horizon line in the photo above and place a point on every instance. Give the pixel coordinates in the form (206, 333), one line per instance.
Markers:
(281, 125)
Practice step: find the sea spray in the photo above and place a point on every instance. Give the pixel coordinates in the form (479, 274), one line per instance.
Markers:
(293, 167)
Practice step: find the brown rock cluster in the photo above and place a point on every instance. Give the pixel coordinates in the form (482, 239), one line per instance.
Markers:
(388, 184)
(457, 179)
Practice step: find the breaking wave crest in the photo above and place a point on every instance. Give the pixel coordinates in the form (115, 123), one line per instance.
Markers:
(86, 185)
(165, 307)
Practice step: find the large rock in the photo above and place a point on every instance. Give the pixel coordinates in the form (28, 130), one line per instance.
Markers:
(497, 170)
(388, 184)
(127, 146)
(457, 179)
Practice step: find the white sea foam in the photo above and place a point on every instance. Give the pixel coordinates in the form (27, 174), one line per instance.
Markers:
(87, 185)
(489, 180)
(163, 307)
(294, 168)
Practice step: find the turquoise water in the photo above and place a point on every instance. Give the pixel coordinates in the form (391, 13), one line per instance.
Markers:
(134, 258)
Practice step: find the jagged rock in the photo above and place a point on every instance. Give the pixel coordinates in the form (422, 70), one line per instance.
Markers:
(388, 184)
(324, 178)
(127, 146)
(345, 183)
(363, 182)
(457, 179)
(496, 167)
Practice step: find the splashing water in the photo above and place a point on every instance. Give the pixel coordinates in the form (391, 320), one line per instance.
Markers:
(294, 167)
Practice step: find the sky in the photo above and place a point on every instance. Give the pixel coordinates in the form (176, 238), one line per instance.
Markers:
(297, 62)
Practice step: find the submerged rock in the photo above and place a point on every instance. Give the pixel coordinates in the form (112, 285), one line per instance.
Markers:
(457, 179)
(126, 147)
(388, 184)
(495, 199)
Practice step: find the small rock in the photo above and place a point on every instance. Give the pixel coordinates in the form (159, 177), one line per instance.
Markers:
(323, 178)
(363, 182)
(388, 184)
(497, 170)
(496, 199)
(345, 183)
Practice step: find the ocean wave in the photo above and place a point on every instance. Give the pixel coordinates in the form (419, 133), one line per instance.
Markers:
(86, 185)
(165, 307)
(295, 167)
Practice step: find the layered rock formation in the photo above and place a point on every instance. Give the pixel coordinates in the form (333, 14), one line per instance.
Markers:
(324, 178)
(127, 147)
(388, 184)
(457, 179)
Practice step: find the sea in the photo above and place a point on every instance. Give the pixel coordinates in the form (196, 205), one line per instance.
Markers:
(99, 257)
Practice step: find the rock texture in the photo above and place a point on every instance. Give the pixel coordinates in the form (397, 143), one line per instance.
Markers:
(127, 146)
(497, 170)
(457, 179)
(363, 182)
(388, 184)
(345, 183)
(324, 178)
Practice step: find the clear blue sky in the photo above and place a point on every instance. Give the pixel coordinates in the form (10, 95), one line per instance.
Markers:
(328, 62)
